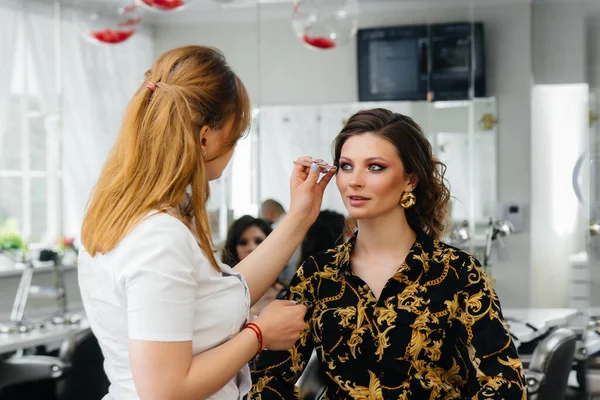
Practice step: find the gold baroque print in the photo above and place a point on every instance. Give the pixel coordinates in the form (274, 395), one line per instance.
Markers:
(436, 332)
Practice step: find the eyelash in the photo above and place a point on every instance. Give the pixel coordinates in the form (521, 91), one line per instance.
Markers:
(381, 167)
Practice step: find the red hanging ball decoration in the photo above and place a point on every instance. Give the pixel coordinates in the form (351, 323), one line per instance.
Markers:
(319, 42)
(111, 36)
(325, 24)
(165, 5)
(111, 24)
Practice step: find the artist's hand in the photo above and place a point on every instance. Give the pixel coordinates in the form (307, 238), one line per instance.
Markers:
(306, 189)
(281, 324)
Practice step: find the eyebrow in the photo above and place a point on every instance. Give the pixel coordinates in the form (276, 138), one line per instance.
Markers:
(367, 160)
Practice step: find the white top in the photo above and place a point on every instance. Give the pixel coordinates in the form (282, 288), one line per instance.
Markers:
(158, 285)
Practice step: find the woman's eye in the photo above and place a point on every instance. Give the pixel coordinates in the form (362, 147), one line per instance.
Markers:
(345, 167)
(257, 242)
(376, 167)
(242, 243)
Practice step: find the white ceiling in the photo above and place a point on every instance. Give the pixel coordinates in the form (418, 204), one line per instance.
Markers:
(227, 10)
(224, 10)
(215, 4)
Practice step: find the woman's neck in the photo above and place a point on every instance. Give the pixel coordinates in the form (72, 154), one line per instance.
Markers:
(387, 234)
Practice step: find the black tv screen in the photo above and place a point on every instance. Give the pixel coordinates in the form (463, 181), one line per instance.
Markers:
(457, 65)
(419, 62)
(392, 63)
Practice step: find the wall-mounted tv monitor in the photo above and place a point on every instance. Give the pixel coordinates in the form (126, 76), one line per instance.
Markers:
(421, 62)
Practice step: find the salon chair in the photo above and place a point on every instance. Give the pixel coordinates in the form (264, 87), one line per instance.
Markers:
(30, 377)
(552, 360)
(311, 382)
(76, 374)
(87, 379)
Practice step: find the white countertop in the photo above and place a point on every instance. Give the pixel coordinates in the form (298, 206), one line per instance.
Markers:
(541, 317)
(527, 324)
(50, 335)
(8, 271)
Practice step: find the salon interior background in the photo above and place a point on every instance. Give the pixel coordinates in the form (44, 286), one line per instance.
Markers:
(542, 75)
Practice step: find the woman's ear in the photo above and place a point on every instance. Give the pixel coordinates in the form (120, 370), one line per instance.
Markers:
(204, 136)
(412, 182)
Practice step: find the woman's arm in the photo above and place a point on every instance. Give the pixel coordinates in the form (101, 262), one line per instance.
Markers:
(167, 370)
(486, 339)
(262, 267)
(159, 281)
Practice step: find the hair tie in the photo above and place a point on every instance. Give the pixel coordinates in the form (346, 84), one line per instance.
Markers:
(151, 86)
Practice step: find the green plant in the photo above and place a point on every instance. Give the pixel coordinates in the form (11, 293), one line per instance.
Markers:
(11, 242)
(10, 239)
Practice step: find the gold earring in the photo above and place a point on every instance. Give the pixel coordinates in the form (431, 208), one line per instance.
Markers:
(204, 153)
(408, 200)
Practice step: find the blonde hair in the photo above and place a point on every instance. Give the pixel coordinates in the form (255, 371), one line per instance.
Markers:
(157, 153)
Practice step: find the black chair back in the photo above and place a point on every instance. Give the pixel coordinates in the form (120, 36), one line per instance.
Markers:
(311, 383)
(87, 379)
(550, 366)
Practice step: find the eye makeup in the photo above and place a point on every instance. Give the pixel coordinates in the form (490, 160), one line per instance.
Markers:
(373, 167)
(377, 167)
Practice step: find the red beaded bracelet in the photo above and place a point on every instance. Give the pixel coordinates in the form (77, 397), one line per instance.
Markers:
(256, 329)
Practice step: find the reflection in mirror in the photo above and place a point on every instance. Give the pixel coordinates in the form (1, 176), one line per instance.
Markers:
(304, 95)
(463, 135)
(468, 149)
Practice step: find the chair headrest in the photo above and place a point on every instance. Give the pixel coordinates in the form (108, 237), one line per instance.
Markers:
(558, 340)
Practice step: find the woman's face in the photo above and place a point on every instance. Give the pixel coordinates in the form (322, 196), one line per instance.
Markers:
(250, 239)
(371, 177)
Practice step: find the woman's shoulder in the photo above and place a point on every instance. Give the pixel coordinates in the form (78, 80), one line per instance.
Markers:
(329, 260)
(462, 261)
(161, 230)
(159, 244)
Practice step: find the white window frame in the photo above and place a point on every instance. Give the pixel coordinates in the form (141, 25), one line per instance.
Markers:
(53, 171)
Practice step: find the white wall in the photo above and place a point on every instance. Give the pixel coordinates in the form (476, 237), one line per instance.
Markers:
(566, 42)
(292, 74)
(592, 42)
(559, 134)
(559, 43)
(566, 53)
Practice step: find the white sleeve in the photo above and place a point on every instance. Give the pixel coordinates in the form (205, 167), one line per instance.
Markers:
(159, 284)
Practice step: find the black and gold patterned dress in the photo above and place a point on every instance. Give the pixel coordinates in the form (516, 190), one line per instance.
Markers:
(436, 332)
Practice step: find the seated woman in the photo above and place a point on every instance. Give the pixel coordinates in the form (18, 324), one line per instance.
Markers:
(323, 234)
(394, 313)
(244, 235)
